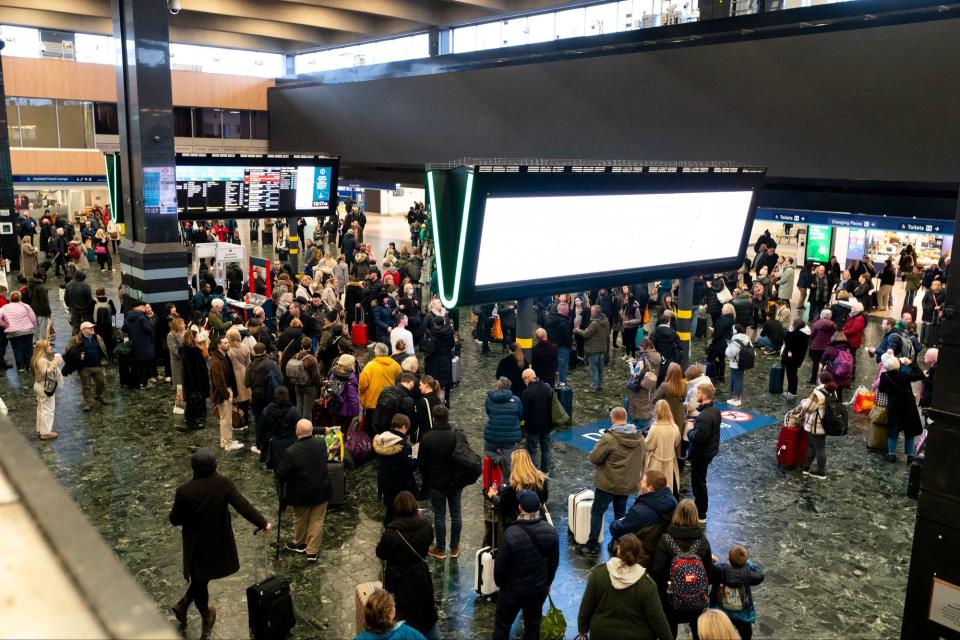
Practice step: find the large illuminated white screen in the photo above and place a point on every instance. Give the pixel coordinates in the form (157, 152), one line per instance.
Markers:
(532, 238)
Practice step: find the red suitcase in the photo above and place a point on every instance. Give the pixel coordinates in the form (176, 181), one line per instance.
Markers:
(492, 474)
(791, 447)
(358, 330)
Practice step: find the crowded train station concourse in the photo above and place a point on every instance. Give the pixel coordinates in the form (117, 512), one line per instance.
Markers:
(555, 319)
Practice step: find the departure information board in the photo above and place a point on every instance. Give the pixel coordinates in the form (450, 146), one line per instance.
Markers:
(254, 187)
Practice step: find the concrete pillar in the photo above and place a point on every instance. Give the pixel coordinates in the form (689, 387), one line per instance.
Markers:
(525, 326)
(8, 241)
(153, 262)
(684, 315)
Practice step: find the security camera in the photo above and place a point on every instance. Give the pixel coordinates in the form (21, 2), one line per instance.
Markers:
(174, 6)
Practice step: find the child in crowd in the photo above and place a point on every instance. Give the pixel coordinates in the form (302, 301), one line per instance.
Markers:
(732, 594)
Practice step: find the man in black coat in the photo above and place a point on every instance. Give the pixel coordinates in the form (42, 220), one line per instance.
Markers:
(209, 549)
(140, 323)
(397, 398)
(667, 343)
(304, 485)
(79, 300)
(436, 468)
(704, 445)
(559, 328)
(543, 357)
(537, 401)
(524, 569)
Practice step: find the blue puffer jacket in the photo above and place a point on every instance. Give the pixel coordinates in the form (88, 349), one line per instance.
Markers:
(649, 509)
(383, 322)
(503, 417)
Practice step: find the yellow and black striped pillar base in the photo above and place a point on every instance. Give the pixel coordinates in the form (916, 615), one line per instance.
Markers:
(525, 326)
(684, 316)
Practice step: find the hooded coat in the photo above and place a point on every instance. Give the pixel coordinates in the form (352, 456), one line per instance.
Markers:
(403, 547)
(621, 601)
(438, 354)
(596, 336)
(395, 468)
(619, 457)
(640, 403)
(785, 282)
(376, 375)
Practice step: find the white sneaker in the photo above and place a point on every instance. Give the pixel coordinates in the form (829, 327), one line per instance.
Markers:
(733, 402)
(255, 451)
(166, 379)
(233, 446)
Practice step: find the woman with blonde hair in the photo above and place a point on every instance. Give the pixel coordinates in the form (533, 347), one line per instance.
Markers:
(673, 389)
(663, 446)
(47, 380)
(524, 476)
(174, 343)
(713, 624)
(239, 356)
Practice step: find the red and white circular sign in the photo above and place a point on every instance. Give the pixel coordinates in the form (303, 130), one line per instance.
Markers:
(736, 416)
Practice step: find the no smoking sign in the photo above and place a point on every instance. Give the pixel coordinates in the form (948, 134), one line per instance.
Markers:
(736, 416)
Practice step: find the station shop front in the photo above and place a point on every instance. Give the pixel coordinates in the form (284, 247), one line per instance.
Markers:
(815, 236)
(69, 196)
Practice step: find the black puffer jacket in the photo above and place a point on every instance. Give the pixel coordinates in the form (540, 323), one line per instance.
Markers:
(435, 458)
(705, 436)
(744, 310)
(403, 546)
(302, 473)
(277, 431)
(392, 400)
(722, 332)
(667, 343)
(537, 400)
(559, 330)
(520, 568)
(438, 354)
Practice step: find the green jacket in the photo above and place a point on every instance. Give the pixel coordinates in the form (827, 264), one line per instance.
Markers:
(39, 300)
(632, 612)
(597, 335)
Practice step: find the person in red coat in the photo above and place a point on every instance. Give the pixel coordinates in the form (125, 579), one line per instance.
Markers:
(853, 329)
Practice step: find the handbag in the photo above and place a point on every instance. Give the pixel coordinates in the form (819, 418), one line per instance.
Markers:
(497, 329)
(724, 296)
(50, 383)
(558, 415)
(553, 626)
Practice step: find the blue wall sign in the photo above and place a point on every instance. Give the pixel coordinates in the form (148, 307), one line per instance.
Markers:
(59, 179)
(857, 221)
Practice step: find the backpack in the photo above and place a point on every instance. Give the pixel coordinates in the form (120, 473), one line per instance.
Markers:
(842, 365)
(73, 251)
(906, 349)
(297, 372)
(834, 419)
(467, 464)
(732, 598)
(747, 357)
(688, 584)
(273, 381)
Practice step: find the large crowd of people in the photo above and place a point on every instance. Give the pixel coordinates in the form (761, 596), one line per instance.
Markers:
(354, 360)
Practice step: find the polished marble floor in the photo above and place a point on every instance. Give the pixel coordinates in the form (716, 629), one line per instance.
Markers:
(836, 552)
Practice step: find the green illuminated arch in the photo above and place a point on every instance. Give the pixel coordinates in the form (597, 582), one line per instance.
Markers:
(450, 300)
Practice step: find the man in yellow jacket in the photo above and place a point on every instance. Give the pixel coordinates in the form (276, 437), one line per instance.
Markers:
(379, 373)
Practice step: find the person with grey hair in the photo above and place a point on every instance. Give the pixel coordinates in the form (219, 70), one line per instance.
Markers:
(618, 458)
(820, 335)
(559, 327)
(902, 414)
(502, 433)
(595, 339)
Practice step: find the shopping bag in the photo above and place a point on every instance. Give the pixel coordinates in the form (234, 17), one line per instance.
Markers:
(863, 401)
(497, 329)
(553, 626)
(179, 406)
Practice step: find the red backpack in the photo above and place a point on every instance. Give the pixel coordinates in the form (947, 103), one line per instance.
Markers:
(73, 250)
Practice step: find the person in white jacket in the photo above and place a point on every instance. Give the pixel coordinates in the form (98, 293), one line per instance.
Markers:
(47, 380)
(738, 366)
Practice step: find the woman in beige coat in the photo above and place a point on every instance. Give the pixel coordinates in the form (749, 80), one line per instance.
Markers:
(28, 258)
(240, 359)
(663, 445)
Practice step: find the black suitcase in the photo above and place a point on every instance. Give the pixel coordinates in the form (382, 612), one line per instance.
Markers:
(270, 609)
(930, 334)
(913, 481)
(565, 395)
(127, 371)
(338, 484)
(775, 385)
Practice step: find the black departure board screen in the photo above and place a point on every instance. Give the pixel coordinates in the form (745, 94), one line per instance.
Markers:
(210, 187)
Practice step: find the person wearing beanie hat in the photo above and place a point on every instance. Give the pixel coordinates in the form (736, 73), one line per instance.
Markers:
(524, 568)
(257, 379)
(200, 507)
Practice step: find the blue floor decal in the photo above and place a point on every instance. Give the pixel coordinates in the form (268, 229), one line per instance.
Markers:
(737, 421)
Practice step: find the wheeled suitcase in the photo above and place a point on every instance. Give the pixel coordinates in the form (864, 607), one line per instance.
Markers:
(579, 505)
(269, 604)
(127, 371)
(874, 300)
(338, 484)
(362, 593)
(877, 436)
(358, 331)
(775, 384)
(791, 447)
(930, 334)
(913, 481)
(483, 582)
(455, 369)
(565, 394)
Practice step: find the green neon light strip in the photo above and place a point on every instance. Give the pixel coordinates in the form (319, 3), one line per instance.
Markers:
(450, 301)
(111, 179)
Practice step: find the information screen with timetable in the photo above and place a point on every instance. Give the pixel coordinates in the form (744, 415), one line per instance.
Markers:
(254, 190)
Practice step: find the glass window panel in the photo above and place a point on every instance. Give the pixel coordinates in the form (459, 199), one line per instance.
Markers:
(13, 122)
(182, 122)
(541, 28)
(207, 123)
(76, 124)
(465, 39)
(261, 125)
(513, 32)
(570, 23)
(488, 36)
(106, 119)
(236, 124)
(95, 49)
(38, 122)
(626, 19)
(601, 18)
(230, 61)
(22, 42)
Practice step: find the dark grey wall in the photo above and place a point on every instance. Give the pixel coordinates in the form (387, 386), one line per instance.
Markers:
(873, 103)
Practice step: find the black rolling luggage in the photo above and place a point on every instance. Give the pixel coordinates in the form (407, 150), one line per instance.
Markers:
(913, 481)
(775, 385)
(269, 605)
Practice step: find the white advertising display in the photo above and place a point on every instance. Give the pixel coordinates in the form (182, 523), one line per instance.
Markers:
(530, 238)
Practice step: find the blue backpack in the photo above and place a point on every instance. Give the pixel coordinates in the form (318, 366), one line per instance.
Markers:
(273, 381)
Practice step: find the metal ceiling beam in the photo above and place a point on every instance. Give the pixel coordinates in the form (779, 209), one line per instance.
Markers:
(425, 13)
(55, 20)
(492, 6)
(310, 16)
(91, 8)
(250, 26)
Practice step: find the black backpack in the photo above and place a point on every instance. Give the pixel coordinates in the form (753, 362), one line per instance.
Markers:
(747, 357)
(467, 464)
(834, 419)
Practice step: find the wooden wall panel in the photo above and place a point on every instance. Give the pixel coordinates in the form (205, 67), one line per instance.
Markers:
(54, 162)
(65, 79)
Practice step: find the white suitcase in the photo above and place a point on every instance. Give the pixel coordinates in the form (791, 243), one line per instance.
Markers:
(483, 581)
(579, 505)
(455, 369)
